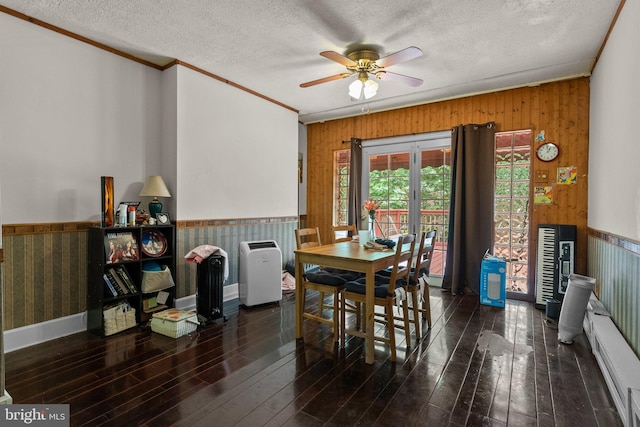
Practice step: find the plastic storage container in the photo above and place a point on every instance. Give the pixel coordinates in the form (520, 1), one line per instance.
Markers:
(574, 307)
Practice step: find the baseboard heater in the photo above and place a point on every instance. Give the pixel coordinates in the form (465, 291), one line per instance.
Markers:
(619, 364)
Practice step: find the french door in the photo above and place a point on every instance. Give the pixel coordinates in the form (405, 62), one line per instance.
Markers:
(409, 179)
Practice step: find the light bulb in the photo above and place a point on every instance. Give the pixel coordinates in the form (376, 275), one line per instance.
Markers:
(370, 89)
(355, 89)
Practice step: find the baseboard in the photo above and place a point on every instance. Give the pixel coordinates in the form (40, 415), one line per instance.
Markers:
(618, 362)
(15, 339)
(26, 336)
(6, 398)
(230, 292)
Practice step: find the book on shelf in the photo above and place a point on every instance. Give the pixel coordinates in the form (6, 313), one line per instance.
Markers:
(121, 282)
(109, 285)
(121, 289)
(122, 272)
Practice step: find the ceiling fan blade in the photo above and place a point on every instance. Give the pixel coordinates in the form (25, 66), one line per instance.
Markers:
(400, 56)
(411, 81)
(340, 59)
(326, 79)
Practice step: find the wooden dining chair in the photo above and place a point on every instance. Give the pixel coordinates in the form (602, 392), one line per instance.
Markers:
(320, 281)
(419, 290)
(385, 294)
(344, 233)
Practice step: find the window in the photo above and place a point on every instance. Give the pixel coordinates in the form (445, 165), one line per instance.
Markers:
(511, 208)
(341, 167)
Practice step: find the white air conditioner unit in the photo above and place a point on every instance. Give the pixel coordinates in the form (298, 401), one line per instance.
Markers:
(260, 272)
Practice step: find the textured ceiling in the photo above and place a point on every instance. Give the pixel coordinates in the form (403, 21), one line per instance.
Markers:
(271, 46)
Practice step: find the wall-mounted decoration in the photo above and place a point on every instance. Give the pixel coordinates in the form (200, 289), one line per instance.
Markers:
(300, 168)
(542, 175)
(548, 152)
(107, 201)
(567, 175)
(543, 195)
(540, 136)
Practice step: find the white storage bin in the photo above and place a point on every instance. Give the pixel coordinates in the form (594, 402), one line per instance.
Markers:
(174, 323)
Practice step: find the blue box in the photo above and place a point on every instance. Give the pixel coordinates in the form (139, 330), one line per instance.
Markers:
(493, 278)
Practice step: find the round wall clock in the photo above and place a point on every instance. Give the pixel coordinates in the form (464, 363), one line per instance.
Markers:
(548, 152)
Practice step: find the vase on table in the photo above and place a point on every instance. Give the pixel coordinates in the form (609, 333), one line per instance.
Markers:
(372, 226)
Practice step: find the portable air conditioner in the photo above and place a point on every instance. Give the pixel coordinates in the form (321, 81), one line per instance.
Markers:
(260, 272)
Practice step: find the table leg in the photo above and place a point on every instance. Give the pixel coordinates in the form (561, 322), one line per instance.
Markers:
(369, 302)
(299, 298)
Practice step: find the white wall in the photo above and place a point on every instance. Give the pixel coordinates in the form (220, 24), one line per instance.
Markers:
(69, 113)
(614, 141)
(237, 154)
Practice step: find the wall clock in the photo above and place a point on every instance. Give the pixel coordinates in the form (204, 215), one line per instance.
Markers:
(548, 152)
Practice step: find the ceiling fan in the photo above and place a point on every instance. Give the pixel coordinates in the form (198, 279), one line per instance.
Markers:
(366, 63)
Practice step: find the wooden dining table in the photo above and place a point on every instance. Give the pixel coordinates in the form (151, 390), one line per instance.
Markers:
(347, 256)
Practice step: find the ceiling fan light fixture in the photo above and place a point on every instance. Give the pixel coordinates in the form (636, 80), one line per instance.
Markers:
(355, 89)
(370, 89)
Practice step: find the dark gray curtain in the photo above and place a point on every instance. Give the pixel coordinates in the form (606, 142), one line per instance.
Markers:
(471, 210)
(355, 184)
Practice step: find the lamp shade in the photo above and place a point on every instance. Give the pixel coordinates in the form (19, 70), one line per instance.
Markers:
(155, 187)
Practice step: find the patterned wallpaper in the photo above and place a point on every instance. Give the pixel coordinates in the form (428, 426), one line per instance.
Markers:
(45, 276)
(45, 272)
(228, 238)
(45, 268)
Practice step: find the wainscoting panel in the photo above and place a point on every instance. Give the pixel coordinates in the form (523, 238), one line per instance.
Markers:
(45, 265)
(228, 238)
(45, 276)
(617, 271)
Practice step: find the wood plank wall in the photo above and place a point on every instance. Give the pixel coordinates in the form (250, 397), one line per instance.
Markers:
(560, 108)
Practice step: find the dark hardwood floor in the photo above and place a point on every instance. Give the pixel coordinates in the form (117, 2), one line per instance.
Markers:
(477, 366)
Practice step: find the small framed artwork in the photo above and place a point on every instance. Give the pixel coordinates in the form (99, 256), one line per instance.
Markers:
(121, 246)
(107, 201)
(163, 218)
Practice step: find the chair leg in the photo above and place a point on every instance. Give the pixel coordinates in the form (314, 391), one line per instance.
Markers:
(363, 309)
(405, 316)
(426, 308)
(320, 302)
(336, 312)
(416, 311)
(342, 319)
(391, 329)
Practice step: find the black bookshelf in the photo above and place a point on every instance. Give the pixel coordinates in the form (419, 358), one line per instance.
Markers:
(118, 255)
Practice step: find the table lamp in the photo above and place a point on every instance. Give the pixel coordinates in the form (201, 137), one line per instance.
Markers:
(155, 187)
